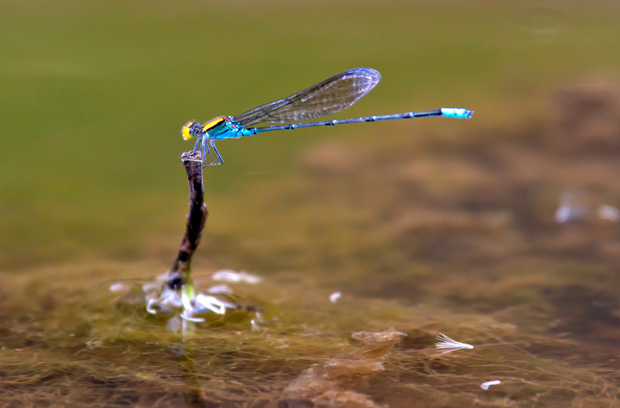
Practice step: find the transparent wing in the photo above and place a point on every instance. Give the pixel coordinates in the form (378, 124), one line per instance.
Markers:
(327, 97)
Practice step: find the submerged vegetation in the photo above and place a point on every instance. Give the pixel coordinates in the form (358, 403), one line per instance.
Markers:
(71, 345)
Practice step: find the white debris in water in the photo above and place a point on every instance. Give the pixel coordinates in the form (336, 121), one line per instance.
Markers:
(190, 303)
(187, 315)
(119, 287)
(334, 297)
(446, 343)
(202, 304)
(608, 212)
(566, 214)
(152, 306)
(571, 208)
(214, 290)
(486, 385)
(227, 275)
(167, 300)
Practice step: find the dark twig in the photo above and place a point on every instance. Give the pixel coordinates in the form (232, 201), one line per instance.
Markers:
(196, 217)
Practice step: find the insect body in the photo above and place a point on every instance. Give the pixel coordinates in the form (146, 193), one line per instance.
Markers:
(325, 98)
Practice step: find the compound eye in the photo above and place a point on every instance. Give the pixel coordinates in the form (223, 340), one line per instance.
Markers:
(187, 131)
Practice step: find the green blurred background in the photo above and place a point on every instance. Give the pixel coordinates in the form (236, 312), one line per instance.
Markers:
(93, 96)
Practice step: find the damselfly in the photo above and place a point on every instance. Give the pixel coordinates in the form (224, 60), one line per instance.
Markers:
(327, 97)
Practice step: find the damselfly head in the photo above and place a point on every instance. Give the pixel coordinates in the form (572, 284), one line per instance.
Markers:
(190, 130)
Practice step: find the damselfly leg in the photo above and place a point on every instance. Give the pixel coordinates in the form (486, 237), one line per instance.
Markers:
(219, 157)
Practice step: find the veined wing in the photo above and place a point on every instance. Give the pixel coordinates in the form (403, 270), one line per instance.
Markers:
(327, 97)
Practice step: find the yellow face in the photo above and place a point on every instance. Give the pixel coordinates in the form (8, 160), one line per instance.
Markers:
(192, 129)
(188, 130)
